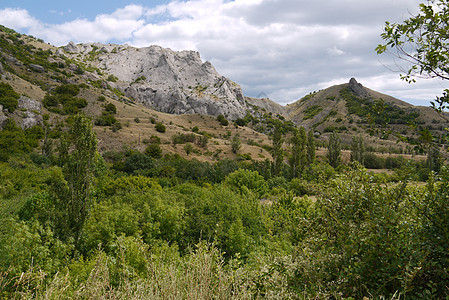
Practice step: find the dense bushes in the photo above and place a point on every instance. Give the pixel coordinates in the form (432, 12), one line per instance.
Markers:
(8, 97)
(65, 95)
(153, 221)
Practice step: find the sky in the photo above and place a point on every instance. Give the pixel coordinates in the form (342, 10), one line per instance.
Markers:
(283, 48)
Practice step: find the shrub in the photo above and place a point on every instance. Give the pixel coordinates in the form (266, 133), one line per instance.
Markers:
(160, 127)
(222, 120)
(68, 89)
(8, 97)
(154, 151)
(373, 162)
(240, 122)
(247, 180)
(312, 111)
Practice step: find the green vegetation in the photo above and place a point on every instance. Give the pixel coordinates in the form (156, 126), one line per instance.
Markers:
(312, 111)
(160, 127)
(376, 111)
(65, 95)
(221, 119)
(8, 97)
(154, 225)
(107, 117)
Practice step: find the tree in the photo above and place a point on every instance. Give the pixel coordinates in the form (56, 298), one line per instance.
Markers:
(422, 42)
(277, 152)
(188, 148)
(358, 149)
(310, 148)
(78, 166)
(299, 155)
(236, 144)
(154, 151)
(334, 150)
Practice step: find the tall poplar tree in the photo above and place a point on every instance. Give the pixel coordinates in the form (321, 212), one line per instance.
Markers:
(78, 157)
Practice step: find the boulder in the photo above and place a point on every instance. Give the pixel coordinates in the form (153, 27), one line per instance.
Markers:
(31, 112)
(37, 68)
(71, 48)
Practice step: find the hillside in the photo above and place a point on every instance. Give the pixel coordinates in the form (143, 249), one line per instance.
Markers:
(352, 109)
(156, 85)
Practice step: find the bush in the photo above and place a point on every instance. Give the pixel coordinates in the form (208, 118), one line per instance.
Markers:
(373, 162)
(110, 108)
(137, 161)
(240, 122)
(247, 180)
(68, 89)
(154, 151)
(160, 127)
(8, 97)
(222, 120)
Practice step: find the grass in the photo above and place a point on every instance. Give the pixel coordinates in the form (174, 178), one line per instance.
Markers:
(201, 274)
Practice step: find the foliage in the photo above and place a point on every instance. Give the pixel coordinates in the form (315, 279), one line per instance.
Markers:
(421, 41)
(14, 140)
(107, 117)
(8, 97)
(240, 122)
(277, 152)
(334, 150)
(298, 158)
(312, 111)
(160, 127)
(78, 157)
(376, 111)
(236, 144)
(310, 148)
(65, 95)
(245, 180)
(222, 120)
(358, 149)
(154, 150)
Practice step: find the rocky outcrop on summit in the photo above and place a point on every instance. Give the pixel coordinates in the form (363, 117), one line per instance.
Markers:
(357, 88)
(169, 81)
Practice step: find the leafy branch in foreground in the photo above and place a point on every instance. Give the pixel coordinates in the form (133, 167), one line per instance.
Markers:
(422, 42)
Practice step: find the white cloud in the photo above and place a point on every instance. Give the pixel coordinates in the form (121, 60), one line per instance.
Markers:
(17, 18)
(285, 48)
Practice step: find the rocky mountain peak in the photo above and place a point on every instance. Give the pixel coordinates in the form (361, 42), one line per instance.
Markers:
(357, 88)
(177, 82)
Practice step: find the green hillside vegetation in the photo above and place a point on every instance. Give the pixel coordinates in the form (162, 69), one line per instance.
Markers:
(108, 199)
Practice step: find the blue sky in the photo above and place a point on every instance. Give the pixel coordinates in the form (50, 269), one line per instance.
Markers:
(285, 48)
(55, 12)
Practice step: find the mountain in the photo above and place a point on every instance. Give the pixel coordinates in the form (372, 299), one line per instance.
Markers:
(169, 81)
(158, 85)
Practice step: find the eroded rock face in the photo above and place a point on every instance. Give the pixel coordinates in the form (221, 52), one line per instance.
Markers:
(31, 110)
(169, 81)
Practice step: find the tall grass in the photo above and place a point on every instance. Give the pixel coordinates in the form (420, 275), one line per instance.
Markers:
(201, 274)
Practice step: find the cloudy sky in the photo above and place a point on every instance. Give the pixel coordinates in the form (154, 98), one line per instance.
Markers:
(284, 48)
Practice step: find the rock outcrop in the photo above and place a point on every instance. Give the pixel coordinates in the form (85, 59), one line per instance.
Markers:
(357, 88)
(31, 110)
(169, 81)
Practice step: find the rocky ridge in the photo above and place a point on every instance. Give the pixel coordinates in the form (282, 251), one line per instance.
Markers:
(169, 81)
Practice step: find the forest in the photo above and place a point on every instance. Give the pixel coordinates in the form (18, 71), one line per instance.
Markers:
(132, 225)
